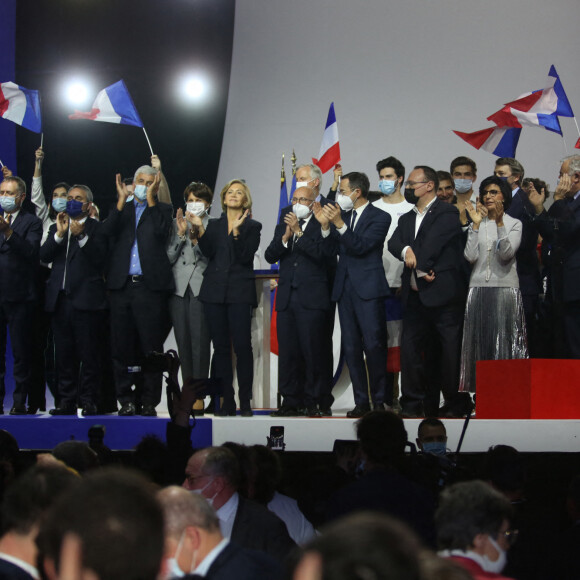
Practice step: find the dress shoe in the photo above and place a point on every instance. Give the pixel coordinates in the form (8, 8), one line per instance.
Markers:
(127, 410)
(247, 412)
(18, 410)
(358, 411)
(89, 409)
(32, 410)
(225, 413)
(287, 412)
(313, 412)
(325, 412)
(446, 412)
(148, 411)
(64, 409)
(412, 414)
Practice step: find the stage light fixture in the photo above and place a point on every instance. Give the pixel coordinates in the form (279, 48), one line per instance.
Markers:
(77, 92)
(194, 88)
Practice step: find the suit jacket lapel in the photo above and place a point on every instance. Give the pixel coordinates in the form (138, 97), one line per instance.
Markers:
(429, 218)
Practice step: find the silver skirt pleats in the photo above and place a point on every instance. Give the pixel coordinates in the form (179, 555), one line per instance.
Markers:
(494, 329)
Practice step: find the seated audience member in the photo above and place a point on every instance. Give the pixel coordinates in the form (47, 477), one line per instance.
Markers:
(362, 546)
(267, 477)
(432, 436)
(77, 455)
(23, 508)
(446, 189)
(119, 522)
(382, 486)
(214, 473)
(473, 528)
(194, 543)
(76, 297)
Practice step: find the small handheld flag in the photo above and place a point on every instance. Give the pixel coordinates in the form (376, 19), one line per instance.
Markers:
(21, 106)
(329, 154)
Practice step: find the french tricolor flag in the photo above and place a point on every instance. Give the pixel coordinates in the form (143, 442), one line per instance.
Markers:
(21, 106)
(539, 108)
(501, 141)
(112, 105)
(329, 154)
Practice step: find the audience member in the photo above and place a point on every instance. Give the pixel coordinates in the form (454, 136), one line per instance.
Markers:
(194, 543)
(214, 473)
(464, 173)
(446, 189)
(77, 455)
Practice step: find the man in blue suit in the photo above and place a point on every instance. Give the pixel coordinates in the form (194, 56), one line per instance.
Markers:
(20, 235)
(360, 287)
(303, 308)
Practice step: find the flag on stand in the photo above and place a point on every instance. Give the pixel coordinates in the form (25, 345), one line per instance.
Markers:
(21, 106)
(112, 105)
(329, 154)
(501, 141)
(539, 108)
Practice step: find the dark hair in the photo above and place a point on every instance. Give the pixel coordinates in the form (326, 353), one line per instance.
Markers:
(430, 175)
(357, 180)
(429, 422)
(504, 186)
(51, 210)
(394, 163)
(467, 509)
(382, 436)
(515, 166)
(503, 466)
(538, 185)
(30, 495)
(76, 454)
(462, 160)
(367, 545)
(62, 184)
(200, 190)
(244, 462)
(444, 176)
(117, 518)
(268, 473)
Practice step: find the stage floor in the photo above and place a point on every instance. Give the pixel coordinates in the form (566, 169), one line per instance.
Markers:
(300, 433)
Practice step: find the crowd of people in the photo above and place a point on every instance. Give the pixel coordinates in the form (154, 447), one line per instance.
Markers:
(372, 510)
(464, 268)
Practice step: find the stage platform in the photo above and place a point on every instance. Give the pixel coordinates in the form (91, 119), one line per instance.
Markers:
(300, 433)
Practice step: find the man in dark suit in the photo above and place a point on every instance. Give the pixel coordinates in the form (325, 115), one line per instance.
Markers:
(20, 235)
(76, 297)
(428, 239)
(561, 226)
(527, 255)
(139, 278)
(360, 287)
(303, 308)
(214, 473)
(195, 544)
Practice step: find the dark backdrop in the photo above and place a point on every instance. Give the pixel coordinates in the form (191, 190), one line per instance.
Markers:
(146, 43)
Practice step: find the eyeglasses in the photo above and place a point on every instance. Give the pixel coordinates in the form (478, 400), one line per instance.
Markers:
(492, 192)
(414, 183)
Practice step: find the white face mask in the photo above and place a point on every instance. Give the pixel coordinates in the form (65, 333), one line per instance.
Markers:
(301, 211)
(498, 565)
(173, 569)
(345, 202)
(209, 500)
(303, 183)
(196, 207)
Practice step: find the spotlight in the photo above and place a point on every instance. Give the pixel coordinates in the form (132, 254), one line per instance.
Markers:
(77, 92)
(194, 88)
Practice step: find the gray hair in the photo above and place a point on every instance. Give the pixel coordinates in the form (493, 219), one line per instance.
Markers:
(146, 169)
(315, 172)
(573, 164)
(183, 508)
(85, 188)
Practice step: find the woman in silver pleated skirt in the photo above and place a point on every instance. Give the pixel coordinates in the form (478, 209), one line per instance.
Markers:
(494, 326)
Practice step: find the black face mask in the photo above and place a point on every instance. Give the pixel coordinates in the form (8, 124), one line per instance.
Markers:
(410, 196)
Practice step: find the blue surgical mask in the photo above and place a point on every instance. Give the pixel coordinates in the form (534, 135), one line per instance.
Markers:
(74, 208)
(59, 204)
(463, 185)
(8, 203)
(435, 447)
(140, 192)
(505, 178)
(387, 186)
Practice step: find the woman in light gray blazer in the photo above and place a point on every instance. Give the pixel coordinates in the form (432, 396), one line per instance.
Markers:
(189, 264)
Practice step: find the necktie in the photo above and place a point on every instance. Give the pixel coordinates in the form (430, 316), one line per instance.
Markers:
(353, 220)
(9, 218)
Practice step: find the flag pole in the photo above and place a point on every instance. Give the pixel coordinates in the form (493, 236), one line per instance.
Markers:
(293, 158)
(41, 140)
(148, 142)
(1, 164)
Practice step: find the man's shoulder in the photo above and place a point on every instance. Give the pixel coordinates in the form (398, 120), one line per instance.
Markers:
(242, 563)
